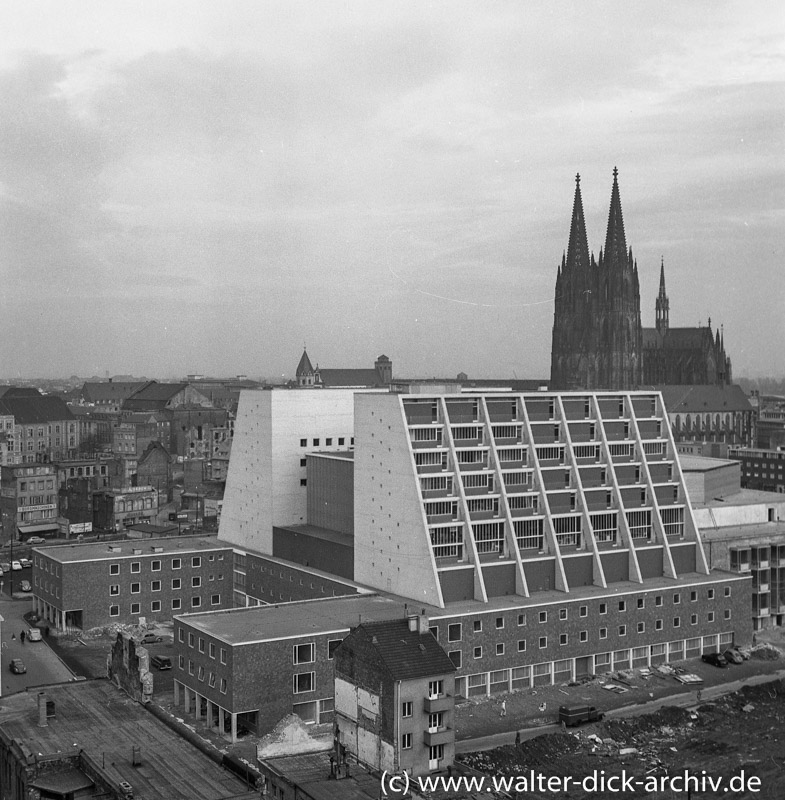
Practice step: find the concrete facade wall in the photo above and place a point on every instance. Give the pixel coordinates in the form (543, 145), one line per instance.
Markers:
(313, 551)
(267, 480)
(331, 493)
(390, 524)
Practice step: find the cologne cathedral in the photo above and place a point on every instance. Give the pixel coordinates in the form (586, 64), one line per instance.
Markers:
(598, 341)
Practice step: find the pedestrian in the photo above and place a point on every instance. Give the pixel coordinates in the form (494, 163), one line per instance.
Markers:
(700, 694)
(517, 737)
(46, 631)
(22, 637)
(504, 708)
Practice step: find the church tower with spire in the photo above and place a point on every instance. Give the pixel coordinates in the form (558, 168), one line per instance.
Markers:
(572, 362)
(662, 306)
(597, 334)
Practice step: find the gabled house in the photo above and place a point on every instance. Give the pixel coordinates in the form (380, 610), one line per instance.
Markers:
(395, 697)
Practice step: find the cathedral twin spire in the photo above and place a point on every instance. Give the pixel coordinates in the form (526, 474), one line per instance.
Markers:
(597, 339)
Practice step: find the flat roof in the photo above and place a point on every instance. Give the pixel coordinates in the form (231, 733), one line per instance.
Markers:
(309, 771)
(315, 532)
(98, 718)
(298, 618)
(238, 626)
(99, 551)
(735, 533)
(347, 455)
(703, 463)
(744, 497)
(554, 597)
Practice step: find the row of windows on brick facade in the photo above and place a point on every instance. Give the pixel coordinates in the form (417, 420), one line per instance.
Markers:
(176, 603)
(155, 564)
(155, 586)
(456, 656)
(455, 629)
(200, 674)
(328, 442)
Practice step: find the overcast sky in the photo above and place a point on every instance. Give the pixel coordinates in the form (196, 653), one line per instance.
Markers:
(207, 186)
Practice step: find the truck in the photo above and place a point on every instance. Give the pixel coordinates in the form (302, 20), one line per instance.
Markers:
(569, 716)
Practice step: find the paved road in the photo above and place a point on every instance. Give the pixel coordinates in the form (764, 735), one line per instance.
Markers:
(683, 700)
(43, 666)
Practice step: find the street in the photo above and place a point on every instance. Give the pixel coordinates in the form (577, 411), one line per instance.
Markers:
(43, 666)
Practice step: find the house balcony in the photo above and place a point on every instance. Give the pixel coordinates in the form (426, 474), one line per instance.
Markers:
(507, 441)
(473, 466)
(433, 705)
(440, 736)
(480, 516)
(426, 444)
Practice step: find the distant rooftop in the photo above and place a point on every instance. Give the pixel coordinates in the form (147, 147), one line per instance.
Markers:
(96, 717)
(92, 551)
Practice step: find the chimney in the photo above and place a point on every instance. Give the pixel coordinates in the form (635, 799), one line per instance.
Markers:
(413, 624)
(424, 623)
(42, 723)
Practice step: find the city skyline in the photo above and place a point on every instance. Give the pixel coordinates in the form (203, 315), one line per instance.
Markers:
(204, 188)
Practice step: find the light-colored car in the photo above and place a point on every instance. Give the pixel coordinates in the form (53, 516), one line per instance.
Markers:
(33, 635)
(25, 586)
(36, 540)
(25, 562)
(151, 638)
(5, 566)
(16, 566)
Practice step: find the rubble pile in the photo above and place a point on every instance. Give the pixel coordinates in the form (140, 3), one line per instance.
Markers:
(765, 652)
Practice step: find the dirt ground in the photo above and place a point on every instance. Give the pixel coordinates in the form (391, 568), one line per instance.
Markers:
(743, 731)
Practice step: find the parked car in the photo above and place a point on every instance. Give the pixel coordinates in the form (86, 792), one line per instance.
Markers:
(151, 638)
(733, 656)
(25, 586)
(33, 635)
(17, 666)
(161, 662)
(715, 659)
(25, 562)
(36, 540)
(16, 566)
(5, 566)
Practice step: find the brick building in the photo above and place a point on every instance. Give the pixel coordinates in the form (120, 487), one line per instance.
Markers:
(89, 585)
(395, 697)
(760, 469)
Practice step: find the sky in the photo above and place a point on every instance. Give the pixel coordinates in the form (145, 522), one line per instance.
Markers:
(207, 187)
